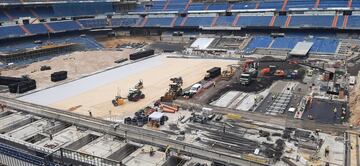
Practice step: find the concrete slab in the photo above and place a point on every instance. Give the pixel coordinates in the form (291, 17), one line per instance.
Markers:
(226, 99)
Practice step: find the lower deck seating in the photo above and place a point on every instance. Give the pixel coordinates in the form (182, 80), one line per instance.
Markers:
(225, 21)
(198, 21)
(159, 22)
(36, 28)
(11, 31)
(286, 42)
(258, 42)
(64, 26)
(254, 21)
(124, 22)
(94, 23)
(311, 21)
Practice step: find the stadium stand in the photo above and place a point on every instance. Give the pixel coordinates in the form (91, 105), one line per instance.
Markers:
(271, 5)
(196, 6)
(254, 21)
(94, 23)
(258, 42)
(124, 22)
(301, 4)
(36, 28)
(324, 45)
(159, 22)
(11, 31)
(176, 5)
(218, 6)
(225, 21)
(353, 21)
(286, 42)
(320, 44)
(311, 21)
(198, 21)
(64, 26)
(280, 21)
(333, 3)
(243, 6)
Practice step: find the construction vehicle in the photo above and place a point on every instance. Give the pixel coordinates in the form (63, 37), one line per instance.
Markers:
(174, 91)
(212, 73)
(139, 85)
(118, 100)
(280, 73)
(228, 73)
(135, 95)
(245, 78)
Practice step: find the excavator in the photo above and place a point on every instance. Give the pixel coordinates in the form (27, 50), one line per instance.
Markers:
(139, 85)
(135, 95)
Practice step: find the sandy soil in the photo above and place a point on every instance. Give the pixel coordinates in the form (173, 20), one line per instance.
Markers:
(156, 80)
(113, 42)
(354, 103)
(76, 63)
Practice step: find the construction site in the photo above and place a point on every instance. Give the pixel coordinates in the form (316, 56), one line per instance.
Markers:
(180, 83)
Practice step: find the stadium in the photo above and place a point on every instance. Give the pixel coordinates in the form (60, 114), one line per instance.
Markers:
(179, 82)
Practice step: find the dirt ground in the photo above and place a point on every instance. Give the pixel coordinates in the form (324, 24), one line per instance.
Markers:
(76, 63)
(113, 42)
(156, 80)
(354, 104)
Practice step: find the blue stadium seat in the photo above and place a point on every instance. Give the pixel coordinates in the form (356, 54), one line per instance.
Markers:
(311, 21)
(340, 22)
(353, 22)
(64, 26)
(11, 31)
(258, 42)
(333, 3)
(324, 45)
(157, 6)
(286, 42)
(19, 12)
(178, 21)
(218, 6)
(177, 5)
(280, 21)
(270, 5)
(244, 6)
(44, 12)
(199, 21)
(225, 20)
(300, 4)
(82, 9)
(124, 22)
(196, 6)
(3, 17)
(94, 23)
(159, 22)
(254, 21)
(36, 28)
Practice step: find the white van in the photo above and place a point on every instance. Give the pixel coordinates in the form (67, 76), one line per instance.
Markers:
(352, 80)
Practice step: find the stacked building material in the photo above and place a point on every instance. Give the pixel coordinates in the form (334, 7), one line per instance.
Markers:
(23, 86)
(18, 85)
(141, 54)
(58, 76)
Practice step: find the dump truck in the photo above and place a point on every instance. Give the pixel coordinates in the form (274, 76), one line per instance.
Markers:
(212, 73)
(135, 95)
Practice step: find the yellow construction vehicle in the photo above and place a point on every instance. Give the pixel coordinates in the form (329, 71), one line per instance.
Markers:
(174, 91)
(118, 100)
(229, 72)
